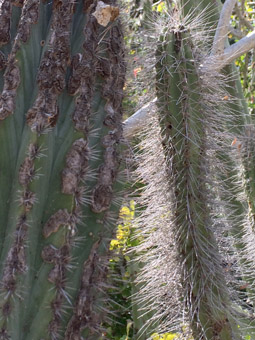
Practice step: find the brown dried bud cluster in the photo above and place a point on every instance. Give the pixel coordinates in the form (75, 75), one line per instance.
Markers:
(50, 254)
(81, 114)
(18, 3)
(27, 199)
(27, 168)
(57, 275)
(52, 70)
(78, 65)
(12, 77)
(87, 5)
(102, 193)
(26, 172)
(84, 314)
(60, 258)
(16, 260)
(3, 61)
(83, 72)
(30, 14)
(15, 264)
(60, 218)
(44, 113)
(114, 76)
(55, 324)
(76, 166)
(5, 22)
(33, 151)
(11, 83)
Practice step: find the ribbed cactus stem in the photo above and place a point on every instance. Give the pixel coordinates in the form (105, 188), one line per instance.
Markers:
(62, 94)
(184, 123)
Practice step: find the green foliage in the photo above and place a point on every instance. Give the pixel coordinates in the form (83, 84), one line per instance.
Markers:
(122, 326)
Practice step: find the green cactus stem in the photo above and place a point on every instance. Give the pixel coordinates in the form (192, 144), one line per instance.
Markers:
(60, 109)
(184, 110)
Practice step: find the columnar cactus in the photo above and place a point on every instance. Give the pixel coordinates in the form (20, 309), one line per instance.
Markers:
(186, 123)
(186, 275)
(60, 109)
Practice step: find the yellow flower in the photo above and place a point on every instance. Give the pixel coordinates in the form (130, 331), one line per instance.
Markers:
(114, 244)
(166, 336)
(171, 336)
(161, 6)
(132, 205)
(124, 211)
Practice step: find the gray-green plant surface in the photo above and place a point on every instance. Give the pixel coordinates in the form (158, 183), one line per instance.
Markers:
(62, 75)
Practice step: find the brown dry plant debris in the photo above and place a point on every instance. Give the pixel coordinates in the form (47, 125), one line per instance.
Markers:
(5, 22)
(60, 218)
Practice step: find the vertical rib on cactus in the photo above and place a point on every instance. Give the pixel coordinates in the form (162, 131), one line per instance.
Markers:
(59, 214)
(112, 70)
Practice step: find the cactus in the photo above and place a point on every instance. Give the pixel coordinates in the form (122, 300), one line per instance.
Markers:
(186, 175)
(62, 75)
(185, 124)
